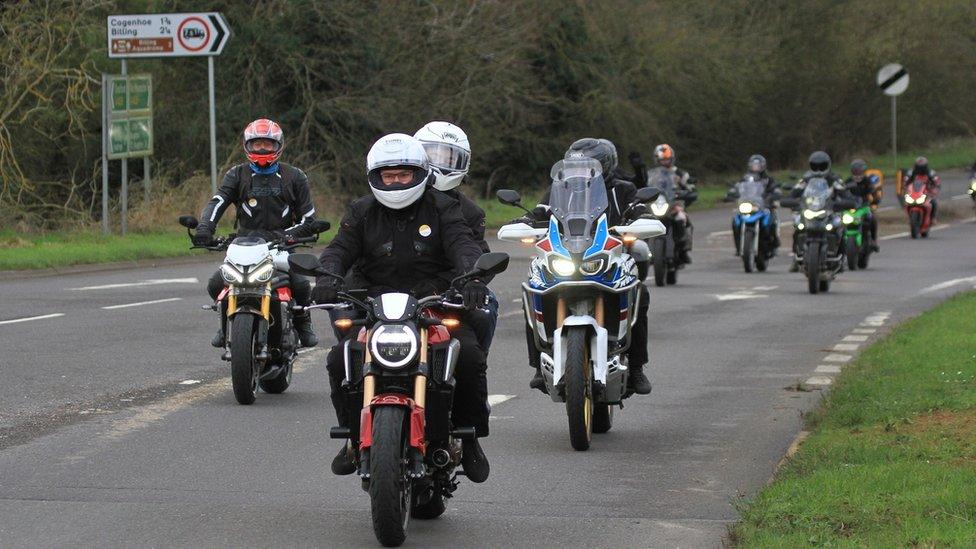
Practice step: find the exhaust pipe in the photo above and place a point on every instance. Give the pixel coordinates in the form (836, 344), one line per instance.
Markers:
(441, 457)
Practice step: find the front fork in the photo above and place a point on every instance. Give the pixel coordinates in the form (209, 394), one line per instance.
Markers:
(264, 327)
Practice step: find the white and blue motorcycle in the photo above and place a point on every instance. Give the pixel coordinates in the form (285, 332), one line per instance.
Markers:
(582, 295)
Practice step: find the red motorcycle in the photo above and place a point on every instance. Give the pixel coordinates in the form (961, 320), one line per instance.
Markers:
(918, 205)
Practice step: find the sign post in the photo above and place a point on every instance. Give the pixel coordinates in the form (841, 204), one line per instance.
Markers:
(893, 81)
(173, 35)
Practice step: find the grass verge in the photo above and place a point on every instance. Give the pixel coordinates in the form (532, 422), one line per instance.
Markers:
(59, 249)
(891, 460)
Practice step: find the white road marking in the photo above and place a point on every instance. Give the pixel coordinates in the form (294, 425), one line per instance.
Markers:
(151, 282)
(837, 358)
(731, 297)
(517, 300)
(886, 209)
(764, 288)
(846, 346)
(190, 382)
(960, 196)
(139, 303)
(947, 284)
(510, 313)
(864, 330)
(855, 338)
(827, 369)
(498, 399)
(717, 234)
(29, 318)
(896, 235)
(819, 380)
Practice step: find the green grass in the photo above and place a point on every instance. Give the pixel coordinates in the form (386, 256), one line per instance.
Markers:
(498, 214)
(28, 251)
(891, 461)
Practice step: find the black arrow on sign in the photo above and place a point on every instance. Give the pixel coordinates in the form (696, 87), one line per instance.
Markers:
(220, 33)
(893, 78)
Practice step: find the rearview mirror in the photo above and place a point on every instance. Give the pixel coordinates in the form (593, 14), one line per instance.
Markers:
(491, 263)
(305, 264)
(189, 221)
(647, 194)
(509, 197)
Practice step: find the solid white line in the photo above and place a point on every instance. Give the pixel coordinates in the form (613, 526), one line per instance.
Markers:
(855, 338)
(947, 284)
(152, 282)
(837, 358)
(29, 318)
(498, 399)
(819, 380)
(827, 369)
(124, 305)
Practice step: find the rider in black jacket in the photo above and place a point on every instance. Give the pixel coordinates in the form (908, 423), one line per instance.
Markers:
(819, 168)
(404, 235)
(865, 187)
(272, 200)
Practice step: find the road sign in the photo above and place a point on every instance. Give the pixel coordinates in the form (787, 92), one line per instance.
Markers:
(166, 35)
(893, 79)
(130, 137)
(129, 116)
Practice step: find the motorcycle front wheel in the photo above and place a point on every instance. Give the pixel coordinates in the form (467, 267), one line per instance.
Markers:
(579, 389)
(243, 370)
(747, 251)
(852, 253)
(812, 261)
(658, 251)
(915, 223)
(390, 492)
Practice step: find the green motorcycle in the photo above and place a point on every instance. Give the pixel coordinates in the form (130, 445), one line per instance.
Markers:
(857, 238)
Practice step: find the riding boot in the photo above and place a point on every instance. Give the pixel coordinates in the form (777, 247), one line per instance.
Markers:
(303, 325)
(637, 381)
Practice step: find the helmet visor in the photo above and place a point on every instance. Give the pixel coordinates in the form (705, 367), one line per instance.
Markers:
(262, 145)
(819, 167)
(447, 157)
(756, 166)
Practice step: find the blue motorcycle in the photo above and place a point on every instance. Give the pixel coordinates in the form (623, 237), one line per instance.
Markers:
(753, 224)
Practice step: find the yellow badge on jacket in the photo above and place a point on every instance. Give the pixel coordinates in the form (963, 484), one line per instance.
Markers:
(424, 230)
(252, 202)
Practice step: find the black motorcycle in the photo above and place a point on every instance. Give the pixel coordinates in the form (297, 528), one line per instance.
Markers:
(818, 234)
(668, 208)
(261, 343)
(400, 384)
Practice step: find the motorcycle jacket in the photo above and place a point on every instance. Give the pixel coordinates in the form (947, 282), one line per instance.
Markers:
(934, 181)
(864, 189)
(267, 203)
(396, 250)
(837, 187)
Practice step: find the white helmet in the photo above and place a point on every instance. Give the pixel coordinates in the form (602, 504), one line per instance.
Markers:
(449, 153)
(397, 150)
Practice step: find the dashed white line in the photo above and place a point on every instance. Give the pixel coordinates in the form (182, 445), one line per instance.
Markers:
(827, 369)
(819, 381)
(139, 303)
(510, 313)
(846, 346)
(151, 282)
(498, 399)
(864, 330)
(837, 358)
(960, 196)
(855, 338)
(29, 318)
(896, 235)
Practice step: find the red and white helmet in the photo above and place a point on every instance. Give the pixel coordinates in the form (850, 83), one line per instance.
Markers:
(262, 128)
(664, 155)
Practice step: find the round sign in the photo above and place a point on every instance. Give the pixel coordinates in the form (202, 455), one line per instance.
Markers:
(193, 34)
(893, 79)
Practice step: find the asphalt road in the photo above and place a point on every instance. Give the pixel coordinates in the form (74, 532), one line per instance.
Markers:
(118, 426)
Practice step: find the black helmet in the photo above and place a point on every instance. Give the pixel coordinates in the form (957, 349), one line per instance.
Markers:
(601, 150)
(820, 162)
(756, 164)
(921, 164)
(858, 167)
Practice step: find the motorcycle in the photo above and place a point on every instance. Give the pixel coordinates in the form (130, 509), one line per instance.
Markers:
(668, 208)
(918, 206)
(972, 189)
(400, 382)
(261, 343)
(817, 242)
(752, 224)
(857, 236)
(582, 294)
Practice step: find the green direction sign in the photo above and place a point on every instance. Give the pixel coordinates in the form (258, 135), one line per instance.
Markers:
(130, 137)
(139, 90)
(120, 102)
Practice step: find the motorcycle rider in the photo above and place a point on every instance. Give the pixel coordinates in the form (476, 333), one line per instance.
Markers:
(756, 169)
(404, 234)
(449, 153)
(664, 156)
(621, 195)
(272, 200)
(864, 187)
(819, 168)
(921, 168)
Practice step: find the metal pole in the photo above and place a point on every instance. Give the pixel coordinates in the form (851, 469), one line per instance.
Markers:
(894, 130)
(146, 180)
(105, 123)
(125, 171)
(213, 127)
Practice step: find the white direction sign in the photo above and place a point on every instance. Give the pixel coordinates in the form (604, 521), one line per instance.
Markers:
(166, 35)
(893, 79)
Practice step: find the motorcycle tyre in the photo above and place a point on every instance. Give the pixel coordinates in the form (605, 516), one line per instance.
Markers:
(243, 373)
(390, 492)
(579, 389)
(660, 261)
(812, 263)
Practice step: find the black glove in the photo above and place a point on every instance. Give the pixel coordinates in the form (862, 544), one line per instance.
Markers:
(203, 236)
(425, 288)
(475, 294)
(635, 160)
(326, 289)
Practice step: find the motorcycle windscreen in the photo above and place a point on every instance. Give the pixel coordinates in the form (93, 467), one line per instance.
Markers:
(662, 179)
(577, 199)
(751, 191)
(816, 194)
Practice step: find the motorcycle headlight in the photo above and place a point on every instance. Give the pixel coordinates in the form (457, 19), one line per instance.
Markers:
(800, 226)
(908, 199)
(847, 218)
(972, 186)
(920, 199)
(830, 227)
(813, 214)
(660, 207)
(562, 266)
(394, 345)
(745, 208)
(261, 274)
(592, 266)
(231, 274)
